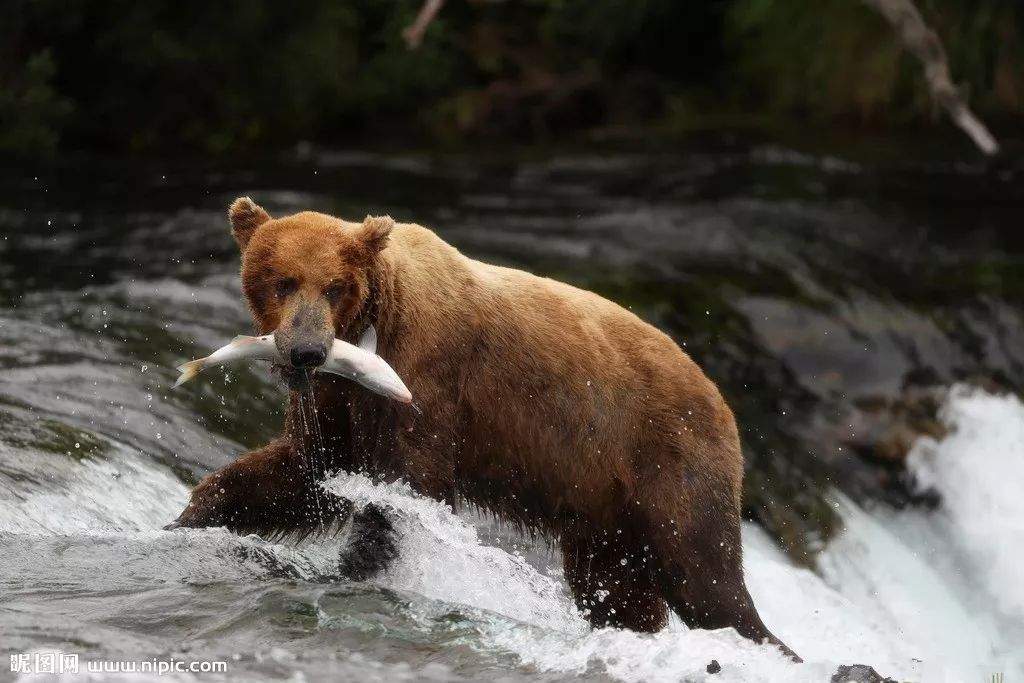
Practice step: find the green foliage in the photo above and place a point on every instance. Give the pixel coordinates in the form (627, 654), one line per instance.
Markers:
(31, 112)
(679, 40)
(234, 75)
(840, 60)
(217, 76)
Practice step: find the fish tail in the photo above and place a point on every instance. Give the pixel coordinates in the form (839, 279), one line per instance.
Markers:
(189, 370)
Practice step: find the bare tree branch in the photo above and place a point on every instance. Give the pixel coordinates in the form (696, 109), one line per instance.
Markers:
(414, 32)
(914, 33)
(923, 43)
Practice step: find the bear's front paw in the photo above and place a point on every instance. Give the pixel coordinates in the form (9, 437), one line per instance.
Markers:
(372, 545)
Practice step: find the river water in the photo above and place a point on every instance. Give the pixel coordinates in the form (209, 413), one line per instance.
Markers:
(811, 288)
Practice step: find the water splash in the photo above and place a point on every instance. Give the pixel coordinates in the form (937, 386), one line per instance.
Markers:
(881, 601)
(525, 610)
(314, 456)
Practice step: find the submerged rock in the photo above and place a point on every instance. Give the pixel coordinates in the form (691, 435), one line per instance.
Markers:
(859, 673)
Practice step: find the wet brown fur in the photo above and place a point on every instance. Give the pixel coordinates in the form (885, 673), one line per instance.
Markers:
(549, 406)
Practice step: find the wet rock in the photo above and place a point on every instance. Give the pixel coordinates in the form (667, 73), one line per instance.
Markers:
(880, 431)
(885, 428)
(859, 673)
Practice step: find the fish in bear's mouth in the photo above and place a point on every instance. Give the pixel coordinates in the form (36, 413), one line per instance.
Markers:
(360, 364)
(297, 379)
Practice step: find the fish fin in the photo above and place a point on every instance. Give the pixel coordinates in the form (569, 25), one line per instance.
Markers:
(368, 340)
(189, 370)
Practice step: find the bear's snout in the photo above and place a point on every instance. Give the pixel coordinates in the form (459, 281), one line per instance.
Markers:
(308, 355)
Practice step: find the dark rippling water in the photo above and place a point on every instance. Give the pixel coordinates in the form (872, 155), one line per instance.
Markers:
(813, 289)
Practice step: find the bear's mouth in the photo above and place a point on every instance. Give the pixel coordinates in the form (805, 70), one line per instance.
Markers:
(297, 379)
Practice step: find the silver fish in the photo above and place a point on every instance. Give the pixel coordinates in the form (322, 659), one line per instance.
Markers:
(358, 363)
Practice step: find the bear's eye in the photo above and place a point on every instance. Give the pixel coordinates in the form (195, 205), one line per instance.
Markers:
(335, 291)
(284, 287)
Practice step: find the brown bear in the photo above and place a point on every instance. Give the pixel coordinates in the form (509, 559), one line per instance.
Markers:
(549, 406)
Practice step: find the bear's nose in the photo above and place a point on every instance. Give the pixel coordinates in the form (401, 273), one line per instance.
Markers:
(308, 355)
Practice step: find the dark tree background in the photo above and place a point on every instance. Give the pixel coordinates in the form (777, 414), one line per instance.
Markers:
(119, 76)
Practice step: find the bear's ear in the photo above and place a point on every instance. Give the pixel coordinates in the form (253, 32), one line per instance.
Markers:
(375, 232)
(245, 216)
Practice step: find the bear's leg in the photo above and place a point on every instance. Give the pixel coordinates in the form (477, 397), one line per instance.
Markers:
(267, 491)
(372, 544)
(699, 555)
(609, 592)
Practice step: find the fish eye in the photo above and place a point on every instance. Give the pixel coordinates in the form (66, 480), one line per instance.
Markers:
(284, 287)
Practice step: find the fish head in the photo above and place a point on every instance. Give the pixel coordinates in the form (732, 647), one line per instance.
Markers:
(307, 278)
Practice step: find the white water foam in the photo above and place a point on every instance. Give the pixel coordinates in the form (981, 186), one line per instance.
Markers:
(978, 469)
(932, 631)
(919, 595)
(121, 500)
(975, 539)
(118, 492)
(441, 557)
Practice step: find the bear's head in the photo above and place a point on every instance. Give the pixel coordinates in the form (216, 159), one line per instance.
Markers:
(307, 278)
